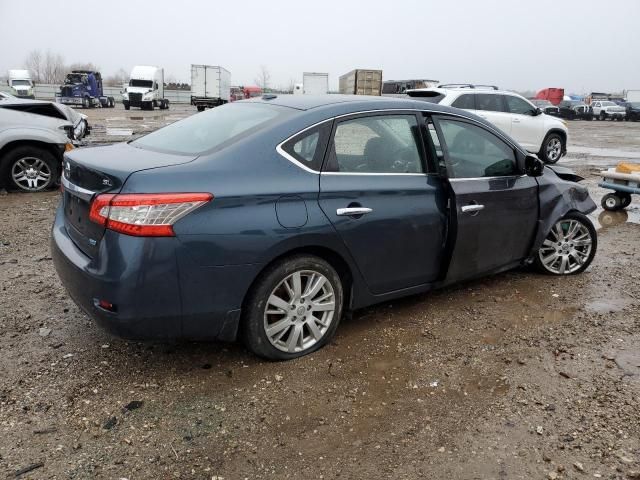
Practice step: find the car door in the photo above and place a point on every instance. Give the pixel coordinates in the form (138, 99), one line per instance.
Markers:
(388, 210)
(491, 107)
(527, 126)
(494, 206)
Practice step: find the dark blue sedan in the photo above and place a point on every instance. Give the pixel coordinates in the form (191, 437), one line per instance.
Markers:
(267, 219)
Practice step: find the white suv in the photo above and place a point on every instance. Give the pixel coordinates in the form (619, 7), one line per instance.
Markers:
(513, 114)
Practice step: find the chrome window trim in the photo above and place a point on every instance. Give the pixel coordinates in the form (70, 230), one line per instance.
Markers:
(282, 152)
(486, 178)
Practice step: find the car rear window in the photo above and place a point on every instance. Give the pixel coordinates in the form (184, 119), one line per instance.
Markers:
(220, 126)
(489, 102)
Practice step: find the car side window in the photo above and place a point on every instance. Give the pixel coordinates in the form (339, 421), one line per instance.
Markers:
(465, 101)
(489, 102)
(377, 144)
(309, 146)
(473, 152)
(519, 106)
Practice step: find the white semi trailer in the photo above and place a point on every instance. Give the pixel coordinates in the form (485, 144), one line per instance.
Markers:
(210, 86)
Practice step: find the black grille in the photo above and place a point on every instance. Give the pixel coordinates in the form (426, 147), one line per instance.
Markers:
(67, 91)
(135, 98)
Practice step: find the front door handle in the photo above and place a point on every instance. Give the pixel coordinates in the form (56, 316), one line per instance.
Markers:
(353, 211)
(472, 208)
(516, 120)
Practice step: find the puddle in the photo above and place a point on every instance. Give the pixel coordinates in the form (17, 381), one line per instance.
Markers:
(629, 363)
(607, 305)
(119, 132)
(604, 152)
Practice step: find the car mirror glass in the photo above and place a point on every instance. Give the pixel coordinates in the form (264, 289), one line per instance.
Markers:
(533, 166)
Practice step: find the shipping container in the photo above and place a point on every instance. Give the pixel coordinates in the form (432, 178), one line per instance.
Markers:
(361, 82)
(210, 86)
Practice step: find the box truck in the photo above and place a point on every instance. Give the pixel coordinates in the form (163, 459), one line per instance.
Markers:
(145, 89)
(21, 84)
(632, 95)
(210, 86)
(361, 82)
(314, 83)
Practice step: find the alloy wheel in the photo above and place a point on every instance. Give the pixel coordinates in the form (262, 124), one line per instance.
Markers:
(299, 311)
(31, 174)
(554, 148)
(566, 248)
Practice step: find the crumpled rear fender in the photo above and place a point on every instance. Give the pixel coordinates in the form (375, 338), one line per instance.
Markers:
(558, 197)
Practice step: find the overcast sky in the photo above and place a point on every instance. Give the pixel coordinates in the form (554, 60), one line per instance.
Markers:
(581, 45)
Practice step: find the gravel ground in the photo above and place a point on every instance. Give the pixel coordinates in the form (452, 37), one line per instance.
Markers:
(516, 376)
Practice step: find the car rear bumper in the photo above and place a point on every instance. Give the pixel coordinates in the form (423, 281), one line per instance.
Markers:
(142, 279)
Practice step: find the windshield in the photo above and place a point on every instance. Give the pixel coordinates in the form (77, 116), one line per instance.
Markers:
(20, 82)
(608, 104)
(205, 131)
(141, 83)
(74, 78)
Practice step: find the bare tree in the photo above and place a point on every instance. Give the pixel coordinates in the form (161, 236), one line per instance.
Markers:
(263, 78)
(33, 63)
(117, 79)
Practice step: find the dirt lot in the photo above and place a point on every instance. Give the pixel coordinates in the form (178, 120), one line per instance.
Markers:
(517, 376)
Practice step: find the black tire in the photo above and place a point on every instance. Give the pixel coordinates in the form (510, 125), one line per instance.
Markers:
(253, 329)
(200, 108)
(85, 102)
(551, 156)
(603, 116)
(127, 106)
(612, 202)
(625, 199)
(166, 104)
(593, 236)
(39, 159)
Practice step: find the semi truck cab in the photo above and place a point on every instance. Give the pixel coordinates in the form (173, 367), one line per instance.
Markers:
(84, 88)
(21, 84)
(145, 89)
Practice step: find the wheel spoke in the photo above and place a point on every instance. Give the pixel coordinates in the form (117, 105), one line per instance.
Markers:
(278, 327)
(279, 303)
(315, 287)
(563, 264)
(297, 285)
(294, 338)
(323, 307)
(315, 331)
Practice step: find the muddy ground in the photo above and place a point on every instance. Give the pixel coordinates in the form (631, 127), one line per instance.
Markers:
(516, 376)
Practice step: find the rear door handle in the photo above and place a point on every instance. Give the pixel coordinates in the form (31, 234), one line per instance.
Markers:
(353, 211)
(515, 120)
(472, 208)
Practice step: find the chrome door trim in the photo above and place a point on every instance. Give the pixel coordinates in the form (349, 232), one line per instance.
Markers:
(284, 154)
(83, 193)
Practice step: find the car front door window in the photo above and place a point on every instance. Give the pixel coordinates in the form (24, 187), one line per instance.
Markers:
(519, 106)
(473, 152)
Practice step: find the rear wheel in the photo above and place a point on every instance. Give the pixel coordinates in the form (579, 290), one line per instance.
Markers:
(569, 247)
(294, 308)
(126, 105)
(552, 148)
(200, 108)
(625, 198)
(31, 169)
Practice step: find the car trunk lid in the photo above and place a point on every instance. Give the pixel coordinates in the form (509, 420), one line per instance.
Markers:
(91, 171)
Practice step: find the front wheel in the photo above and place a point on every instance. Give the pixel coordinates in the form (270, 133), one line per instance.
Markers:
(294, 308)
(126, 105)
(569, 247)
(613, 202)
(31, 169)
(552, 148)
(603, 116)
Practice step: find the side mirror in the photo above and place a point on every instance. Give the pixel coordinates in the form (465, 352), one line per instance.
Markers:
(537, 111)
(533, 166)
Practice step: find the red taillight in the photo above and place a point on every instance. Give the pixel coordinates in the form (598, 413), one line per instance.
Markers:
(144, 214)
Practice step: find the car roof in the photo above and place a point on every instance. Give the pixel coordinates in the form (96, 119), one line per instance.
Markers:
(347, 102)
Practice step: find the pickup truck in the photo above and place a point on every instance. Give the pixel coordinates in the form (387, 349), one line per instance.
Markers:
(603, 109)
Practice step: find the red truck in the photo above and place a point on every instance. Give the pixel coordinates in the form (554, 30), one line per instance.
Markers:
(242, 93)
(554, 95)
